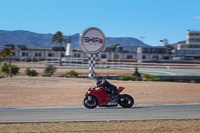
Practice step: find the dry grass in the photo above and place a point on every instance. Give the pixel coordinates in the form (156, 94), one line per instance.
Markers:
(147, 126)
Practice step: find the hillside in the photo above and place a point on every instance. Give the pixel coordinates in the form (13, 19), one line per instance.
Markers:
(34, 40)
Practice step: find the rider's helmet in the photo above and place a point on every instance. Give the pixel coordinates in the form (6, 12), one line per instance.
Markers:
(99, 80)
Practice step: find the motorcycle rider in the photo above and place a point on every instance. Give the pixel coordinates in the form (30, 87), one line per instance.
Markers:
(109, 88)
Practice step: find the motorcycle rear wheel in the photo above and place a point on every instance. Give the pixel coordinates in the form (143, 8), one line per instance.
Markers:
(90, 104)
(126, 101)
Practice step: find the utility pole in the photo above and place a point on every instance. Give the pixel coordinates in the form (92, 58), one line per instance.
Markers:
(142, 38)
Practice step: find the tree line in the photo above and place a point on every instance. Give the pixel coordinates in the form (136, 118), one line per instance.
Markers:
(58, 37)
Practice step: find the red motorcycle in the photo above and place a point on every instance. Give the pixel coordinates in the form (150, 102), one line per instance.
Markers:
(99, 97)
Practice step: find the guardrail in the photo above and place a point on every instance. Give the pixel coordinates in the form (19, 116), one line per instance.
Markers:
(195, 79)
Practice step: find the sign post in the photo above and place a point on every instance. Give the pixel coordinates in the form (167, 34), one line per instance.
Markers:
(92, 41)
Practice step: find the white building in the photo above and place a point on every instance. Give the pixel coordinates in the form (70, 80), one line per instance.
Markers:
(129, 53)
(125, 53)
(191, 48)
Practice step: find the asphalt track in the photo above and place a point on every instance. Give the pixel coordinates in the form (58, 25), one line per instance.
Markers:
(168, 72)
(74, 114)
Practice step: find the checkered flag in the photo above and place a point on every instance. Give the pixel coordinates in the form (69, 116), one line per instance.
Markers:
(91, 62)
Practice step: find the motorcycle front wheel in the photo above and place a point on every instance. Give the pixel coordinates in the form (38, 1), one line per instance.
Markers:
(90, 102)
(126, 101)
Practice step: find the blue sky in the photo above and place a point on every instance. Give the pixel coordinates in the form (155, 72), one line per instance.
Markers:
(152, 19)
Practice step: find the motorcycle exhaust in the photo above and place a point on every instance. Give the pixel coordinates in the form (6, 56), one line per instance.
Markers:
(113, 103)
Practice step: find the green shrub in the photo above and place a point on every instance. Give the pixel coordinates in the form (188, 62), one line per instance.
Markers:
(108, 77)
(123, 78)
(15, 69)
(5, 69)
(133, 78)
(154, 79)
(137, 74)
(49, 71)
(31, 73)
(71, 74)
(148, 77)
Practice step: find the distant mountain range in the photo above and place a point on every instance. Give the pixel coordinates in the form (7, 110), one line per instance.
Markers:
(37, 40)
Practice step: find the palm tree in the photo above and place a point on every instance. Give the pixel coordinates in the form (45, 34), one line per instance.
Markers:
(7, 52)
(59, 39)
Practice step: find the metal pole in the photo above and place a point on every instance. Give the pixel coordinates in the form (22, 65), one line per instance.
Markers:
(91, 62)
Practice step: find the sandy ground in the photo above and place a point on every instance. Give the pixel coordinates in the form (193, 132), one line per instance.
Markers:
(24, 91)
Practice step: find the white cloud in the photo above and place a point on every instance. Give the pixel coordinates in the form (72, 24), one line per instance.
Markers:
(197, 17)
